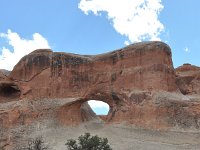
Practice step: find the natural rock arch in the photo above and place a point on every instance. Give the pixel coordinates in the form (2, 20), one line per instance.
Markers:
(79, 111)
(138, 82)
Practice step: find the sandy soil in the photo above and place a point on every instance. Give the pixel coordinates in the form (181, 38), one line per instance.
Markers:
(122, 137)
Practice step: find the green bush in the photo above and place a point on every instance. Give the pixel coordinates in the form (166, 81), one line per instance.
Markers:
(88, 142)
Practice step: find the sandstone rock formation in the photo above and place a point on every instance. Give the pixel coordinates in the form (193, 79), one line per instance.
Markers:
(134, 81)
(138, 82)
(188, 79)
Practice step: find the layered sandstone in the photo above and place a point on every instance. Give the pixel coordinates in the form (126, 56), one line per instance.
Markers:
(70, 75)
(138, 82)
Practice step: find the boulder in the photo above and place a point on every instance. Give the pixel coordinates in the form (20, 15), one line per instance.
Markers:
(188, 79)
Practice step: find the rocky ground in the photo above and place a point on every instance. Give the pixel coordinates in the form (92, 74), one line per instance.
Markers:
(120, 136)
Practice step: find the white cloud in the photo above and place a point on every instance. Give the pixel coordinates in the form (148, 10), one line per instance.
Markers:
(98, 104)
(126, 43)
(135, 19)
(20, 48)
(187, 50)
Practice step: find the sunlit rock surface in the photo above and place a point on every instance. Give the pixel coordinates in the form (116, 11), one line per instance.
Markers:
(138, 82)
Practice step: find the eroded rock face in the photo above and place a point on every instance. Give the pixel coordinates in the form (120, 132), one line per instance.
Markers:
(138, 82)
(188, 79)
(146, 66)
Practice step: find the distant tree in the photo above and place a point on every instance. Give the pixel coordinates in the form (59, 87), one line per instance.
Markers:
(88, 142)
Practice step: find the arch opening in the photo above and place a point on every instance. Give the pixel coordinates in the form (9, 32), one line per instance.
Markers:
(97, 108)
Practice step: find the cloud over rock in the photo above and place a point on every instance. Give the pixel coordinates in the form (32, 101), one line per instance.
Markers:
(135, 19)
(19, 48)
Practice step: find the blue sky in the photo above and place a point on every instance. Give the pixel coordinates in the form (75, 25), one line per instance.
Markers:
(98, 26)
(67, 28)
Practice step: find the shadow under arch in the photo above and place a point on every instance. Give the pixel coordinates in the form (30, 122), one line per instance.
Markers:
(9, 91)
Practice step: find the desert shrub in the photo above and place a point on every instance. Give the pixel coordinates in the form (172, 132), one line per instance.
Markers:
(88, 142)
(35, 144)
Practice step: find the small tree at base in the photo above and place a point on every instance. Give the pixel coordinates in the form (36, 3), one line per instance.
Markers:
(88, 142)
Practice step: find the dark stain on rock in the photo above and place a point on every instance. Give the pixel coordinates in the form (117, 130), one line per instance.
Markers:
(113, 77)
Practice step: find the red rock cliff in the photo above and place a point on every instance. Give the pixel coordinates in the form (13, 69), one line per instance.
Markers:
(138, 82)
(142, 66)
